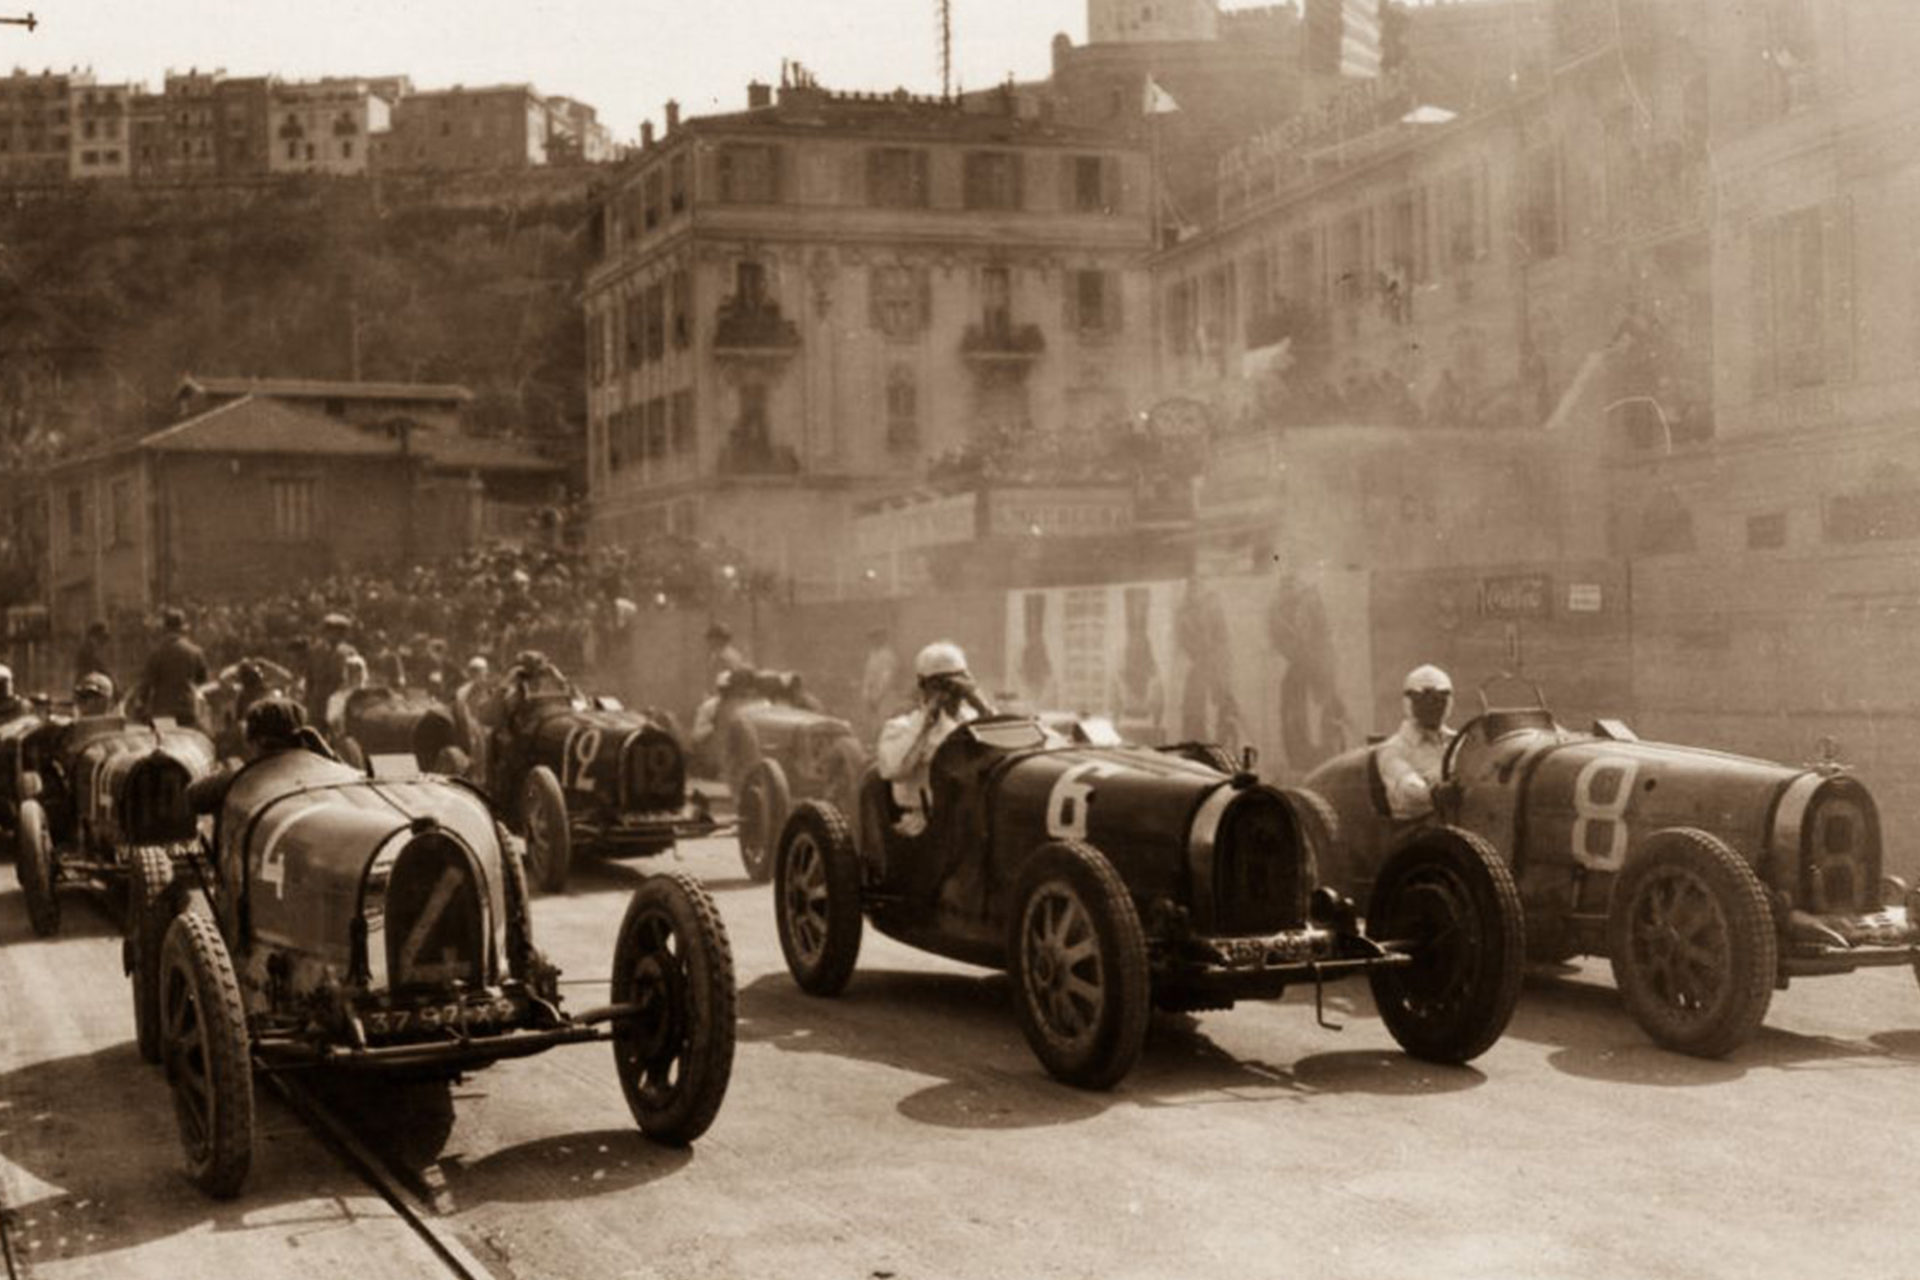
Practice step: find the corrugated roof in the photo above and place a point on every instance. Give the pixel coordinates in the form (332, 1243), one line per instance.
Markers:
(251, 425)
(323, 389)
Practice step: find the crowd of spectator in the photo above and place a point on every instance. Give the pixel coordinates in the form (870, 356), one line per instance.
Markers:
(420, 626)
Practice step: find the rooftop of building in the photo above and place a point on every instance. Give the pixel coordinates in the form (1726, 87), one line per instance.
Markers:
(325, 389)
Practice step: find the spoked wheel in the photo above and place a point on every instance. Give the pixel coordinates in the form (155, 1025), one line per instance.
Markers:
(543, 808)
(204, 1044)
(1450, 902)
(1079, 965)
(33, 848)
(1691, 938)
(675, 1055)
(149, 915)
(762, 804)
(816, 899)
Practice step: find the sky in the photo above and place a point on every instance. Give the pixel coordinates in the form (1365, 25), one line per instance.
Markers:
(624, 59)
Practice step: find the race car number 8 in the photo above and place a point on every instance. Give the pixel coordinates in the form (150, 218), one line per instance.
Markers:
(1067, 803)
(1600, 796)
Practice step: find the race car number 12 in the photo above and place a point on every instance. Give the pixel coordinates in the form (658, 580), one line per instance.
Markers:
(1600, 796)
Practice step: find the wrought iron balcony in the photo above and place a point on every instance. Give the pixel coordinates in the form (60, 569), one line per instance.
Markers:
(757, 328)
(1003, 342)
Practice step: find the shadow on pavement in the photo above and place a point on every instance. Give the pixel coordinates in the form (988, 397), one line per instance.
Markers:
(84, 913)
(563, 1166)
(1596, 1039)
(962, 1028)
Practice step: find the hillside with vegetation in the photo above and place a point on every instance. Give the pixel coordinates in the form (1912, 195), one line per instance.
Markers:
(108, 296)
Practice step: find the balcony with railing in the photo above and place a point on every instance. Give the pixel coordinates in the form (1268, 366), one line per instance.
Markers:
(999, 340)
(753, 328)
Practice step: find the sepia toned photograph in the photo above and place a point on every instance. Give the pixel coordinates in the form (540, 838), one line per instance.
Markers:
(959, 639)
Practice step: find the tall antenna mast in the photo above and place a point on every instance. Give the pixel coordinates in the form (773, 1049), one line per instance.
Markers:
(946, 48)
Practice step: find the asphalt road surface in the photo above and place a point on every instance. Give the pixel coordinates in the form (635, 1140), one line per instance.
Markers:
(904, 1132)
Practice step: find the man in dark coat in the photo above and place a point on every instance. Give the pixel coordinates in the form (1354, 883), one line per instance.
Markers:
(95, 653)
(174, 673)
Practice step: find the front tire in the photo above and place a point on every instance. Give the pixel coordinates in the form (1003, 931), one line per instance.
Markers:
(1690, 935)
(149, 913)
(1078, 958)
(1453, 905)
(33, 846)
(453, 762)
(817, 898)
(543, 810)
(762, 804)
(675, 1056)
(207, 1055)
(1321, 826)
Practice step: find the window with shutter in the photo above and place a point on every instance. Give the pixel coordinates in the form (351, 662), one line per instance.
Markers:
(897, 178)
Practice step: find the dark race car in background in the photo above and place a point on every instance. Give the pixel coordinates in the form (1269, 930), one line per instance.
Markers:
(90, 795)
(572, 772)
(1107, 879)
(349, 923)
(410, 722)
(1707, 879)
(775, 754)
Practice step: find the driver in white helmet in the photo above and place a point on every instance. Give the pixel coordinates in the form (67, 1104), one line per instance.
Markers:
(1410, 759)
(904, 754)
(12, 705)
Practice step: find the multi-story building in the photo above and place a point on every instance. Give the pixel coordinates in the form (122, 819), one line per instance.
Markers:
(324, 126)
(241, 116)
(36, 125)
(494, 127)
(100, 144)
(192, 125)
(804, 304)
(575, 134)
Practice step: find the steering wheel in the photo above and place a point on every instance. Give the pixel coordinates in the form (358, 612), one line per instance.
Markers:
(1450, 757)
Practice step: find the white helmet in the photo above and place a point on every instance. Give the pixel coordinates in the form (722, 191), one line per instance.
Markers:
(1428, 679)
(6, 675)
(941, 658)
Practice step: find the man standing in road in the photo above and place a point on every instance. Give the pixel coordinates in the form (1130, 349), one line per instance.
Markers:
(174, 673)
(95, 652)
(1410, 759)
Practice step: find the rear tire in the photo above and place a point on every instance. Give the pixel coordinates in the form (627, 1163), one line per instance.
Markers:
(33, 846)
(1690, 935)
(739, 752)
(816, 898)
(763, 803)
(674, 1057)
(1078, 958)
(150, 909)
(543, 812)
(846, 764)
(1450, 897)
(208, 1058)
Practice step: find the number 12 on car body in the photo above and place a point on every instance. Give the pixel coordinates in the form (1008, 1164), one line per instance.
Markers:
(576, 763)
(1601, 794)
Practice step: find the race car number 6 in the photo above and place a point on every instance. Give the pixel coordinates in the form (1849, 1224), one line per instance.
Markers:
(1611, 776)
(1067, 803)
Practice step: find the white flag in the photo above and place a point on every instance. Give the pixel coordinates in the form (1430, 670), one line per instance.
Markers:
(1158, 100)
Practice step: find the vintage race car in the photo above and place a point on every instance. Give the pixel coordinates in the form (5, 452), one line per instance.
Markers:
(571, 771)
(1107, 879)
(93, 793)
(383, 721)
(1707, 879)
(14, 732)
(778, 754)
(355, 923)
